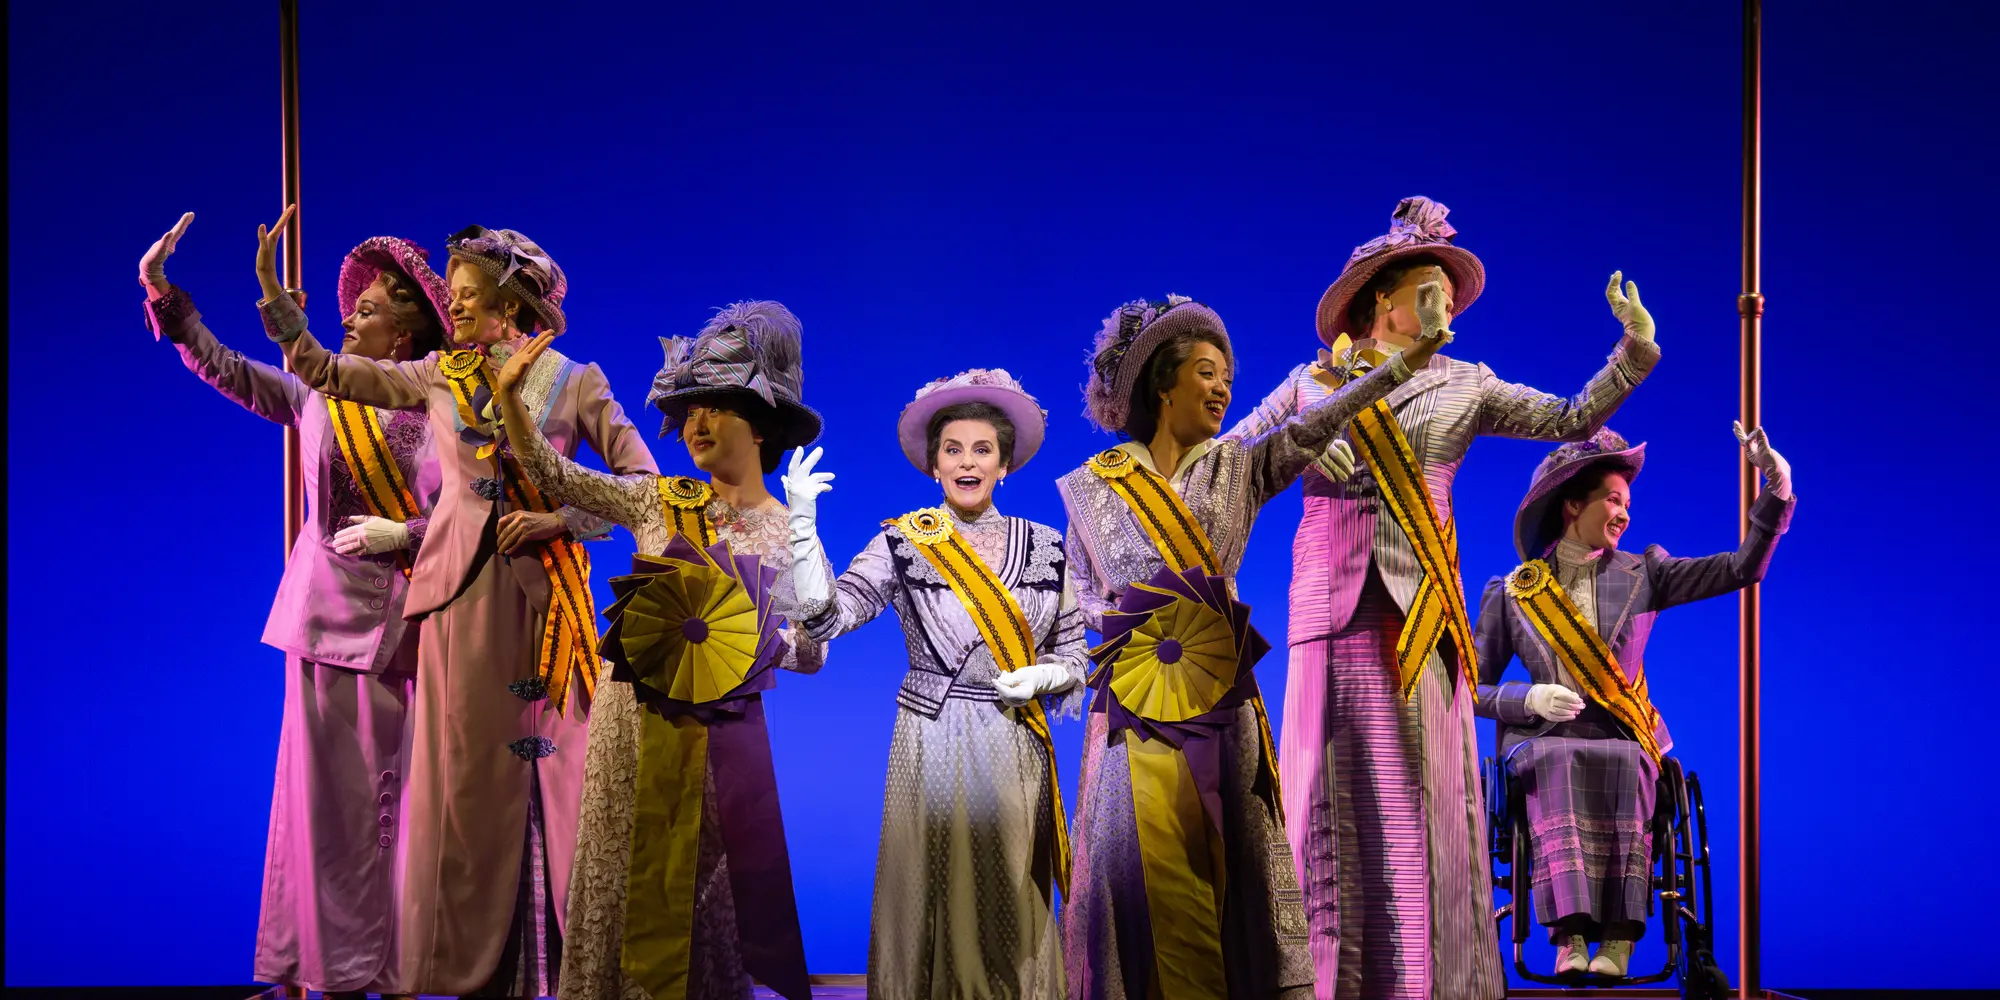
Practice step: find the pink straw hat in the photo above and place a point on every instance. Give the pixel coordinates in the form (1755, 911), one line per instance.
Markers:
(1417, 227)
(365, 263)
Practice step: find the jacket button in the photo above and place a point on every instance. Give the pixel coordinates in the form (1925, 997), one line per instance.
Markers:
(384, 841)
(385, 798)
(381, 581)
(376, 604)
(388, 775)
(385, 820)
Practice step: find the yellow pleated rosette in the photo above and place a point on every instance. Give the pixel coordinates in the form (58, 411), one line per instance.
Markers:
(689, 625)
(1177, 663)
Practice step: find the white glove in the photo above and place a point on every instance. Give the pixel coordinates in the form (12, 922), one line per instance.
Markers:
(1757, 448)
(802, 489)
(153, 266)
(1338, 461)
(366, 535)
(1626, 306)
(1432, 316)
(1021, 686)
(1554, 703)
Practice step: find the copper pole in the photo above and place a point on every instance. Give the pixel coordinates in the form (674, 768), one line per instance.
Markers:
(294, 269)
(1750, 307)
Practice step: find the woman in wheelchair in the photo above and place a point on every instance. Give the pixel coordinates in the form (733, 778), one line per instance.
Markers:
(1582, 737)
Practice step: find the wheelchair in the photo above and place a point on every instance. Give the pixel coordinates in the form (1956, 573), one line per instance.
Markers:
(1681, 882)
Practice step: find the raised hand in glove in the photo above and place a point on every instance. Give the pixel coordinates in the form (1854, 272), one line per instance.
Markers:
(1554, 703)
(366, 535)
(153, 266)
(802, 489)
(1757, 448)
(1626, 306)
(1023, 685)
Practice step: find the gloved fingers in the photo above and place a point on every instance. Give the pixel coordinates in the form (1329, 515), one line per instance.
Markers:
(350, 541)
(1741, 437)
(1632, 295)
(1614, 295)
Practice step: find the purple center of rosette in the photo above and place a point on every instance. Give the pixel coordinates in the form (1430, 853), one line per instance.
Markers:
(1170, 651)
(694, 630)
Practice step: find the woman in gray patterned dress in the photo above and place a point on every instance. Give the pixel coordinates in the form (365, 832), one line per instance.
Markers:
(1589, 765)
(1160, 377)
(973, 844)
(736, 417)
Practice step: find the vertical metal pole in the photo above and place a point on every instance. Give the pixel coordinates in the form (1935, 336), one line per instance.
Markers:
(1750, 307)
(293, 267)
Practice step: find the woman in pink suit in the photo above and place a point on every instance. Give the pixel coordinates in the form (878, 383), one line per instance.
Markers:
(328, 920)
(508, 653)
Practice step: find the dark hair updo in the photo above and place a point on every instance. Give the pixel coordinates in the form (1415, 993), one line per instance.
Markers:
(1003, 428)
(1157, 379)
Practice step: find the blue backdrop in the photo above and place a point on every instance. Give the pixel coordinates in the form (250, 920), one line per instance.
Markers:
(936, 187)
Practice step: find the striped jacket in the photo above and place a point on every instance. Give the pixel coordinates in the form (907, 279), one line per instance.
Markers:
(1442, 408)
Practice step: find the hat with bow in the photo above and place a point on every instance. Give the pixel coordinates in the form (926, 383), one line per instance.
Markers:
(749, 352)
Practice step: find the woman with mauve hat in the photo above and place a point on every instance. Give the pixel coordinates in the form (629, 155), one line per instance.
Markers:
(973, 846)
(1380, 765)
(508, 653)
(328, 920)
(1183, 885)
(664, 901)
(1582, 736)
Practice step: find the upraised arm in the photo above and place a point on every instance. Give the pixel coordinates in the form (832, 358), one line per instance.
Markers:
(391, 385)
(1681, 581)
(1280, 405)
(631, 500)
(263, 389)
(1280, 456)
(860, 594)
(1510, 410)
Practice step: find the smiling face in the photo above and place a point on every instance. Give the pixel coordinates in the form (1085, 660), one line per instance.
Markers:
(481, 313)
(373, 330)
(1600, 519)
(1192, 410)
(968, 463)
(721, 440)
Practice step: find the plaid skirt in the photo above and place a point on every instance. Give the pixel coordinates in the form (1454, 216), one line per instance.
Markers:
(1589, 804)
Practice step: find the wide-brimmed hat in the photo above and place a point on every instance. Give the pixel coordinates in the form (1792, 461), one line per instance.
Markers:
(1560, 467)
(1416, 227)
(365, 263)
(747, 349)
(1127, 340)
(980, 385)
(518, 264)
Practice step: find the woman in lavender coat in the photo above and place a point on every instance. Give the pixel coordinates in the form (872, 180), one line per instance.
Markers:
(328, 920)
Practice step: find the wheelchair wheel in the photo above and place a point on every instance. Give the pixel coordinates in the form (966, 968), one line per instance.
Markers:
(1701, 976)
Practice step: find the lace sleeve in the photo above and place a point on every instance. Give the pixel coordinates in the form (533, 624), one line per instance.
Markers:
(1067, 645)
(860, 594)
(1507, 409)
(633, 501)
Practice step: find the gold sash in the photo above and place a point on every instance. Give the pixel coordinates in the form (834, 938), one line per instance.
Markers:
(1439, 605)
(1005, 630)
(466, 371)
(684, 504)
(569, 637)
(366, 448)
(1182, 859)
(1584, 652)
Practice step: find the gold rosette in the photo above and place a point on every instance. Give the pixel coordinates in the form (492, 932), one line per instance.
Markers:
(1177, 663)
(689, 625)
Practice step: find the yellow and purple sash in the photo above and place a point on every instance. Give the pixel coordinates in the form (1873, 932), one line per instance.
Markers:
(1007, 634)
(694, 632)
(359, 432)
(569, 636)
(1576, 643)
(1175, 799)
(1439, 605)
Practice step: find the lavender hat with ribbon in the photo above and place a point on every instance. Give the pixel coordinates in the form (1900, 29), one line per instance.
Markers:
(749, 349)
(366, 262)
(1127, 341)
(1416, 227)
(1560, 467)
(517, 264)
(980, 385)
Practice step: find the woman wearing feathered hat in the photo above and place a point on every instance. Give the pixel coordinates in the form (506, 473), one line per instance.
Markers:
(733, 394)
(1379, 762)
(328, 920)
(973, 843)
(1183, 885)
(508, 651)
(1582, 735)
